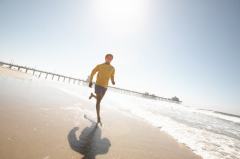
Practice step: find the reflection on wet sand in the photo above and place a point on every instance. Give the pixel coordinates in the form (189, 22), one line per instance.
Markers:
(90, 142)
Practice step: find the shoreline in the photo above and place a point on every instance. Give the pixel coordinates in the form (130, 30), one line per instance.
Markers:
(48, 124)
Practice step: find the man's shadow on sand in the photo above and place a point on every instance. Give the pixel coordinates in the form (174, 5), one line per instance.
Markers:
(89, 142)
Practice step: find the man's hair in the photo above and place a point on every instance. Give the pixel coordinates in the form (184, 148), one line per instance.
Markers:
(108, 55)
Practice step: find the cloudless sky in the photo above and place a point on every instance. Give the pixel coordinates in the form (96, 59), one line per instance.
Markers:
(184, 48)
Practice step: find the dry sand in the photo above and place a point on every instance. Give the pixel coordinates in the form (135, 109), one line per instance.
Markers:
(40, 122)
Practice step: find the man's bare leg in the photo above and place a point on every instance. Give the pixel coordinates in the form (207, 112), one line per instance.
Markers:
(99, 98)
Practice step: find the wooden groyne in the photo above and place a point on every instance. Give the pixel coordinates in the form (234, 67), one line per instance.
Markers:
(59, 77)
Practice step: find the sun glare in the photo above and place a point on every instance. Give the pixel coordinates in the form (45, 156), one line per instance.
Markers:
(121, 15)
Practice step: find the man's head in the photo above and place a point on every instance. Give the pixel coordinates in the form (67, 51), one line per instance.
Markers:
(108, 58)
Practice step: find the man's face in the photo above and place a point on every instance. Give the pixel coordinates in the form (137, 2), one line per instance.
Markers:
(109, 59)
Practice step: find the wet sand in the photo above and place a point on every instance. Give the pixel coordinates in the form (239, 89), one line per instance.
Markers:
(41, 122)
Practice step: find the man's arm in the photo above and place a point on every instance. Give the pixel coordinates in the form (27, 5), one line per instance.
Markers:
(96, 69)
(112, 77)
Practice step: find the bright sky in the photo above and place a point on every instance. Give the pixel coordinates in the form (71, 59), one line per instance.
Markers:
(186, 48)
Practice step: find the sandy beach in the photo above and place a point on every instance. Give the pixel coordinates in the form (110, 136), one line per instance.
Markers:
(41, 122)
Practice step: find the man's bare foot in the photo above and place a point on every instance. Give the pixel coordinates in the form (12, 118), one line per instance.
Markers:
(99, 121)
(91, 95)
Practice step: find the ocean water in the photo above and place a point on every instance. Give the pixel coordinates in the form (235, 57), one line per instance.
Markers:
(210, 134)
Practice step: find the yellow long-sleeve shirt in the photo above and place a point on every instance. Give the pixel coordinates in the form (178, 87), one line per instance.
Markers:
(105, 72)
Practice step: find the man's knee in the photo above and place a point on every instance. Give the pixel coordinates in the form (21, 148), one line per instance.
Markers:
(99, 97)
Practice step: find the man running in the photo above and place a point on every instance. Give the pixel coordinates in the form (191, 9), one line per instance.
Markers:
(105, 72)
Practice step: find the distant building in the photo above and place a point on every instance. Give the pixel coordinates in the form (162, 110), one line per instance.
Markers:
(176, 99)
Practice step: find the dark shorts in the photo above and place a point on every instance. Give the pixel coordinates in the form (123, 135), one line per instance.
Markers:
(100, 90)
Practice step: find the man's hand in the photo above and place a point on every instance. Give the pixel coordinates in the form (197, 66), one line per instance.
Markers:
(90, 84)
